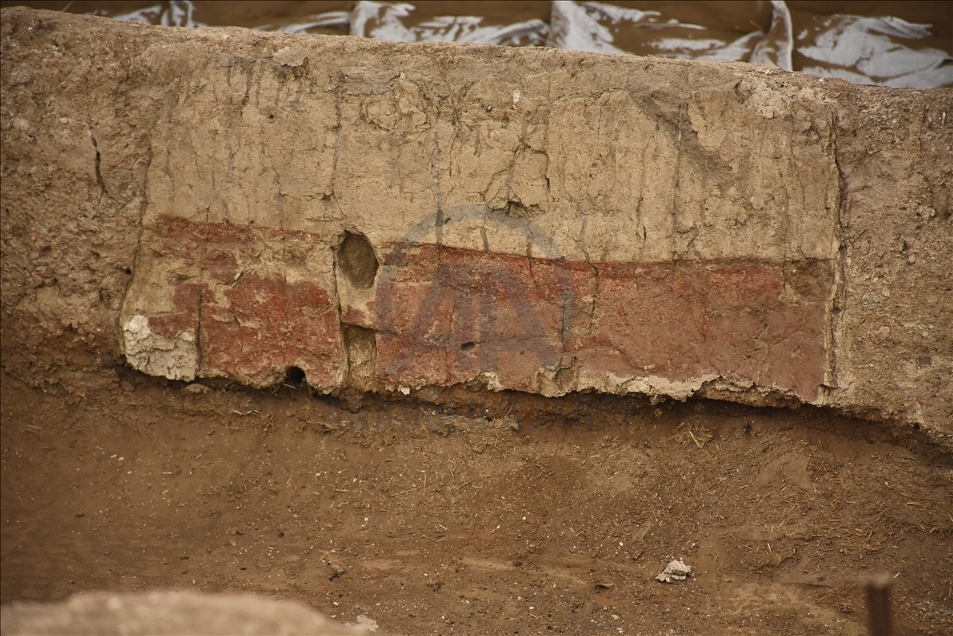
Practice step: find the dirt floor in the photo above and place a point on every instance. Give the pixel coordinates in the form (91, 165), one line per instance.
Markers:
(476, 514)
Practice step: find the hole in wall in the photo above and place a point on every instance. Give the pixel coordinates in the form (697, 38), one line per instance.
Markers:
(357, 260)
(467, 347)
(295, 377)
(516, 208)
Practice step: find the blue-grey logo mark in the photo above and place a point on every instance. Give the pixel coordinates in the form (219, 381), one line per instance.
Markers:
(475, 316)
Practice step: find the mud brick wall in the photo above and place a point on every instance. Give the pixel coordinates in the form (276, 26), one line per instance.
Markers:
(385, 217)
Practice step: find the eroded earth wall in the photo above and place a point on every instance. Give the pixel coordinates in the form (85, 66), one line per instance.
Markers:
(380, 216)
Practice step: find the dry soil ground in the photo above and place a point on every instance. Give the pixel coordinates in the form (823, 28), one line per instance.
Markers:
(479, 515)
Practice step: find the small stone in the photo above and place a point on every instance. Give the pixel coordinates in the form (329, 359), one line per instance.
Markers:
(675, 571)
(196, 389)
(126, 386)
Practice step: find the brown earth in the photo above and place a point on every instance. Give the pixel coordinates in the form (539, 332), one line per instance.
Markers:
(473, 513)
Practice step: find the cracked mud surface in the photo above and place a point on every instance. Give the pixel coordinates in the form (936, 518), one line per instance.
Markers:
(448, 519)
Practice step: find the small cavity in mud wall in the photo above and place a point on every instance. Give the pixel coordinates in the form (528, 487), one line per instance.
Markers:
(357, 261)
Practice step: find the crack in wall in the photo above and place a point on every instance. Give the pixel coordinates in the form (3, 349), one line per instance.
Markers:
(676, 184)
(838, 300)
(200, 335)
(581, 245)
(99, 175)
(344, 373)
(137, 254)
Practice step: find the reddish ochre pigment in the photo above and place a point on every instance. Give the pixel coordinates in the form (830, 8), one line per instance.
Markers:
(446, 315)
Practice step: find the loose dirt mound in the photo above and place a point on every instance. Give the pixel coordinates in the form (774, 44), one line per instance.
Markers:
(514, 515)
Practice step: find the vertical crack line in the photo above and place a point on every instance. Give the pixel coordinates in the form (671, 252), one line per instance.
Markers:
(99, 174)
(838, 300)
(338, 134)
(455, 123)
(675, 186)
(249, 82)
(438, 231)
(434, 117)
(137, 254)
(548, 115)
(511, 170)
(203, 289)
(581, 245)
(345, 372)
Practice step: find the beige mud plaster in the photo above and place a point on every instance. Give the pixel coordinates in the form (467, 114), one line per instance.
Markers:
(173, 358)
(648, 385)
